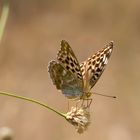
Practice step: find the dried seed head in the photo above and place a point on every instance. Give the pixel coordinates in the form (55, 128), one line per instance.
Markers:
(6, 133)
(79, 117)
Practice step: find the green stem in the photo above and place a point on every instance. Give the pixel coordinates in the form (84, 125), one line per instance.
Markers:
(4, 16)
(34, 101)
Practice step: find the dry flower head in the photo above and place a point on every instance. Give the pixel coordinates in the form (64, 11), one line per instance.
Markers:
(79, 117)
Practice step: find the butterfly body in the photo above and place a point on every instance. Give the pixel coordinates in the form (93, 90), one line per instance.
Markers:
(76, 80)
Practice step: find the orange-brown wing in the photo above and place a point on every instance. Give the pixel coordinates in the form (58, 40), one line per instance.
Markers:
(94, 66)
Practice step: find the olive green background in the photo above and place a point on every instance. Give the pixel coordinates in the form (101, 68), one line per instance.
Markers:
(32, 38)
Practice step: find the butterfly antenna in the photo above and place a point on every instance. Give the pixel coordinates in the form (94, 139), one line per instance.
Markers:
(104, 95)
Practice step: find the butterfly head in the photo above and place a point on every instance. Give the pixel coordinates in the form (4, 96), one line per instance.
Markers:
(86, 95)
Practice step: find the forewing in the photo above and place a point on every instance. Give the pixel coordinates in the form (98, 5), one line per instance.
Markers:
(94, 66)
(68, 60)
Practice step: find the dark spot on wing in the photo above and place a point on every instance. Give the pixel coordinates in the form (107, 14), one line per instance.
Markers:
(94, 77)
(67, 62)
(79, 74)
(97, 65)
(93, 71)
(82, 70)
(101, 60)
(71, 59)
(68, 58)
(89, 68)
(108, 55)
(96, 74)
(72, 64)
(76, 69)
(93, 57)
(93, 63)
(98, 70)
(102, 55)
(73, 70)
(75, 62)
(106, 51)
(89, 62)
(63, 61)
(98, 55)
(60, 59)
(98, 59)
(67, 67)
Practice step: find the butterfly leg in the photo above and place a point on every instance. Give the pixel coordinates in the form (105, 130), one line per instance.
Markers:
(77, 103)
(88, 102)
(82, 104)
(68, 105)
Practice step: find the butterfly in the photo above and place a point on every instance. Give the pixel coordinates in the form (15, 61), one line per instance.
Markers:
(75, 80)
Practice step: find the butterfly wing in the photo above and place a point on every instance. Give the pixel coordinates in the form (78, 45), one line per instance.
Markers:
(66, 73)
(94, 66)
(67, 58)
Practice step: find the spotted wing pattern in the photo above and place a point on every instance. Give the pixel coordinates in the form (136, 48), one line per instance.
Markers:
(94, 66)
(66, 73)
(67, 58)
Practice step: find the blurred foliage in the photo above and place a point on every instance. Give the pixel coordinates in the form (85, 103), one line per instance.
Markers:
(3, 17)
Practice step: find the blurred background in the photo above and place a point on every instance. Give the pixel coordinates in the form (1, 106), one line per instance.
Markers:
(32, 38)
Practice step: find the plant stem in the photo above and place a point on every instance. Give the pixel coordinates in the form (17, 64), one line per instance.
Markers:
(32, 100)
(4, 16)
